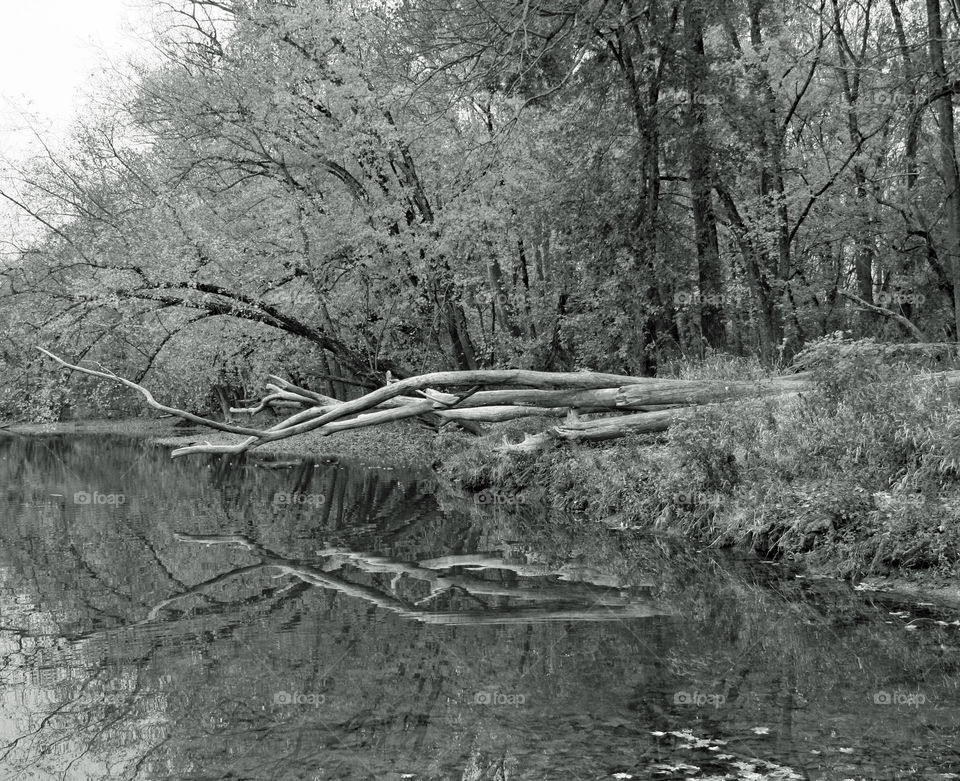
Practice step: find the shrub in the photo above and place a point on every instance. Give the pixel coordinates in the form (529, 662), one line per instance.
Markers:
(861, 475)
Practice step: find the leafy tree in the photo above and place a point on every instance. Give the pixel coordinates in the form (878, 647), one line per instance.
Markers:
(552, 185)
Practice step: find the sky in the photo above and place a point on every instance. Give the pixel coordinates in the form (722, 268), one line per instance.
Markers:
(50, 49)
(53, 54)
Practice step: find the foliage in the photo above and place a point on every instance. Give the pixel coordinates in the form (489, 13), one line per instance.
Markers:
(380, 186)
(861, 476)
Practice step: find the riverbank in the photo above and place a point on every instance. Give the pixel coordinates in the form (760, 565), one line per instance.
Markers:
(404, 445)
(859, 480)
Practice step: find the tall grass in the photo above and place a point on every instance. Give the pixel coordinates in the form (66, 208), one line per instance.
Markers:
(861, 476)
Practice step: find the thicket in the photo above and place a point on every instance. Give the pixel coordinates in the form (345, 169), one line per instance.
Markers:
(335, 190)
(859, 477)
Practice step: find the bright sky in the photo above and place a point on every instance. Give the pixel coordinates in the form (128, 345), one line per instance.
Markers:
(53, 53)
(50, 49)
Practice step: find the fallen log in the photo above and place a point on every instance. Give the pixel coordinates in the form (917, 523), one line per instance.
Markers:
(635, 396)
(609, 428)
(471, 397)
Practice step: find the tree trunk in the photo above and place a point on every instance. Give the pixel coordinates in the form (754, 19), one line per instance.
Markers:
(849, 75)
(710, 274)
(948, 152)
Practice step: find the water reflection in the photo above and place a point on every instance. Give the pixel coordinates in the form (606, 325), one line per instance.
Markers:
(280, 620)
(410, 586)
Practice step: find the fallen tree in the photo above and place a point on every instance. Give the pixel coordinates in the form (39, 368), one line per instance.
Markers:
(631, 405)
(637, 404)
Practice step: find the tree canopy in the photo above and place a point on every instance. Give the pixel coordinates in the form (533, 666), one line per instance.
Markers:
(338, 189)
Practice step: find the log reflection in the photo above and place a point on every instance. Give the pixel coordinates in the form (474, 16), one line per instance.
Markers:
(554, 600)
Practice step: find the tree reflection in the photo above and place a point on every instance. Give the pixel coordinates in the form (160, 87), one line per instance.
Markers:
(204, 629)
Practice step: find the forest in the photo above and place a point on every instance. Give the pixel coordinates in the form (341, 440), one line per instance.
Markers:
(336, 190)
(690, 268)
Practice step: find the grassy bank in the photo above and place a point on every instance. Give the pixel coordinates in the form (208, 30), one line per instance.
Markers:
(404, 444)
(859, 478)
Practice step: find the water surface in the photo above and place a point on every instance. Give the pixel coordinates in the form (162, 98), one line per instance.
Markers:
(219, 618)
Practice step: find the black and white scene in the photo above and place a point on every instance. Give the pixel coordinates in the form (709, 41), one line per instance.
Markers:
(480, 390)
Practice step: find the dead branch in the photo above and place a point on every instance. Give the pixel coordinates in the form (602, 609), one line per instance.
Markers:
(470, 397)
(896, 316)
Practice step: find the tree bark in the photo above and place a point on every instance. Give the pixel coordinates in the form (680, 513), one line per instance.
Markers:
(948, 152)
(849, 75)
(710, 274)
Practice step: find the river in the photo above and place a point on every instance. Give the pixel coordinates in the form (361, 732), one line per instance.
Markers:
(279, 618)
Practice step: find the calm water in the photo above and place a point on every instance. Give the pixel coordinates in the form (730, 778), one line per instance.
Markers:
(254, 619)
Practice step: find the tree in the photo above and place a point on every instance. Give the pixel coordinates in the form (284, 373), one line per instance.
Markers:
(943, 97)
(550, 185)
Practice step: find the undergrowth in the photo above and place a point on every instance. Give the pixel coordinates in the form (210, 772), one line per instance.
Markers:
(861, 476)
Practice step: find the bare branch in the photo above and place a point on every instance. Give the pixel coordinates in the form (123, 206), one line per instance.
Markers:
(152, 401)
(916, 332)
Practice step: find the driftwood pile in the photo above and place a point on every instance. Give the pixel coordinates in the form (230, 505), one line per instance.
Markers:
(631, 404)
